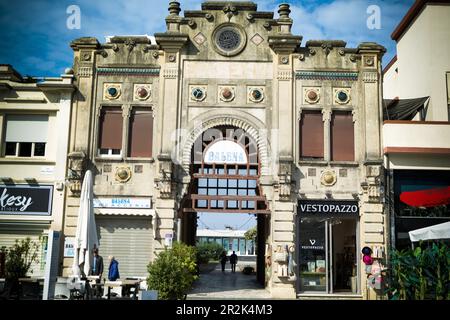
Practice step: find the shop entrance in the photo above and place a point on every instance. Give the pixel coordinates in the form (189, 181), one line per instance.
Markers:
(328, 247)
(225, 172)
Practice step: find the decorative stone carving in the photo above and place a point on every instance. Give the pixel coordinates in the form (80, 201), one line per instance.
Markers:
(327, 47)
(115, 47)
(200, 38)
(341, 95)
(311, 95)
(142, 92)
(85, 72)
(226, 93)
(370, 77)
(328, 178)
(77, 167)
(285, 179)
(171, 73)
(341, 52)
(301, 57)
(284, 60)
(130, 44)
(284, 75)
(112, 91)
(86, 55)
(123, 174)
(164, 181)
(255, 94)
(197, 93)
(257, 39)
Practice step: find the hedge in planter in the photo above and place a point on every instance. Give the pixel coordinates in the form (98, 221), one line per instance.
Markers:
(208, 251)
(173, 272)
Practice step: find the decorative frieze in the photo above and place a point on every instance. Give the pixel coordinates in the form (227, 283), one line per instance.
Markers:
(284, 75)
(128, 71)
(370, 77)
(171, 73)
(326, 75)
(85, 72)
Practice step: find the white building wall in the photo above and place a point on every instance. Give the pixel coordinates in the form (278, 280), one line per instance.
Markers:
(423, 60)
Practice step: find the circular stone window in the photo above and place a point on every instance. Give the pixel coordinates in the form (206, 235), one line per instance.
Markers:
(229, 39)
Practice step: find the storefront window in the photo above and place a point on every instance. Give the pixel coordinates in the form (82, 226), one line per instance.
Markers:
(312, 255)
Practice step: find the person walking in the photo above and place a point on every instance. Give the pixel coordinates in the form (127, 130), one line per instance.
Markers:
(97, 270)
(223, 260)
(113, 273)
(233, 261)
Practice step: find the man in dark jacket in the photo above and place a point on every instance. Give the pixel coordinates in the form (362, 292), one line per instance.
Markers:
(233, 261)
(97, 270)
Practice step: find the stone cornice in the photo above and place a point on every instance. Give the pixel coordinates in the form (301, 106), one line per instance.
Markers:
(219, 5)
(171, 41)
(85, 43)
(371, 47)
(284, 43)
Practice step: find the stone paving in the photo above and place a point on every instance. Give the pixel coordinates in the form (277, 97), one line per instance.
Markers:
(218, 285)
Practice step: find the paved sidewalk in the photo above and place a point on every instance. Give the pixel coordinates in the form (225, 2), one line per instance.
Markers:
(217, 285)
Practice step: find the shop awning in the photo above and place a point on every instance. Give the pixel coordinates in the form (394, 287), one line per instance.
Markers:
(426, 198)
(124, 212)
(402, 109)
(439, 231)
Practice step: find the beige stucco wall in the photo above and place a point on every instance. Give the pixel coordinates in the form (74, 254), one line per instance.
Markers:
(423, 60)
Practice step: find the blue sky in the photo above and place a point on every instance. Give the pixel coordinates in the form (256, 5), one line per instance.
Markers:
(35, 39)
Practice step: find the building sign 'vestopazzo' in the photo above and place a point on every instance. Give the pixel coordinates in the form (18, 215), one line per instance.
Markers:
(26, 200)
(320, 207)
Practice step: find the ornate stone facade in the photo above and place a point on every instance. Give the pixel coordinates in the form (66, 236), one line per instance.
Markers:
(233, 46)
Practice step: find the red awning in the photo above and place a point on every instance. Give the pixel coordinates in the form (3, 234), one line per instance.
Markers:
(426, 198)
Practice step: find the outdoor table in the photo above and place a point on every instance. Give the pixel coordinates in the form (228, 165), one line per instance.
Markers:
(131, 283)
(32, 286)
(111, 284)
(95, 284)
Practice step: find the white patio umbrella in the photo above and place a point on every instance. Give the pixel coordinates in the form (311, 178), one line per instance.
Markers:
(438, 231)
(86, 235)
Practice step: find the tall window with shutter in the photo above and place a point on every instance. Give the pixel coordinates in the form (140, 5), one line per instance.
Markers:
(140, 135)
(26, 135)
(110, 132)
(342, 136)
(311, 135)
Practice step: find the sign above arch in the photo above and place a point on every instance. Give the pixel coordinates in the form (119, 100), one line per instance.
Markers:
(225, 152)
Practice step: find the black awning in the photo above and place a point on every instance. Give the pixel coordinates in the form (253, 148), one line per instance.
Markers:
(402, 109)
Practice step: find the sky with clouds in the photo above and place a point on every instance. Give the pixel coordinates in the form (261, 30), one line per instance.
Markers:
(36, 40)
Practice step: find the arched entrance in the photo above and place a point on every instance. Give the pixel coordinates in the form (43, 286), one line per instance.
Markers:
(225, 170)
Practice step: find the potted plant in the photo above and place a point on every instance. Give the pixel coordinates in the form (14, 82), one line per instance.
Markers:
(19, 259)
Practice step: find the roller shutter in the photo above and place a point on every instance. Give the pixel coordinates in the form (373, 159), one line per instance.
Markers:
(8, 239)
(129, 240)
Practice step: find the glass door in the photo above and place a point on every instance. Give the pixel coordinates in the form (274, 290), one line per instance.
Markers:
(313, 264)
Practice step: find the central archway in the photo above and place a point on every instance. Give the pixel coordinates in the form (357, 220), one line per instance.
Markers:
(225, 168)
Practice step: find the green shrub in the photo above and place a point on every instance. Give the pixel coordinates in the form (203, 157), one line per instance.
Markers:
(208, 251)
(173, 272)
(20, 257)
(420, 274)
